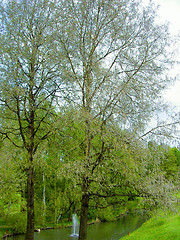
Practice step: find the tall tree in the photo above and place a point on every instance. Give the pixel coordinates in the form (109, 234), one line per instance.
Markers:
(29, 71)
(116, 54)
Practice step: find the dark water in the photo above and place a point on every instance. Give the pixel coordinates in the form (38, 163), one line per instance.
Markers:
(98, 231)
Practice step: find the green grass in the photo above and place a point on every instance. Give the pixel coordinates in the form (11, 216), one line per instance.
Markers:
(162, 228)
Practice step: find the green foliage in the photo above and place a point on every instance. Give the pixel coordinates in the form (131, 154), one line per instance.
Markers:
(17, 222)
(106, 215)
(170, 163)
(3, 227)
(39, 211)
(131, 205)
(92, 213)
(12, 179)
(167, 158)
(176, 152)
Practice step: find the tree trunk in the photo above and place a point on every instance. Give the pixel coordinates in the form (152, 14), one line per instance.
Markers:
(30, 204)
(84, 216)
(31, 152)
(85, 187)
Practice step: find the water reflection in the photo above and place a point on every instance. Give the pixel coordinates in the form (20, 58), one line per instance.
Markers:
(74, 238)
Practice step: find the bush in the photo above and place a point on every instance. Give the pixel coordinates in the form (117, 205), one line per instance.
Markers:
(91, 213)
(106, 215)
(17, 221)
(38, 215)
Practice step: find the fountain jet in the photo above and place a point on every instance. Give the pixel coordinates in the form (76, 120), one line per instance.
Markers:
(75, 226)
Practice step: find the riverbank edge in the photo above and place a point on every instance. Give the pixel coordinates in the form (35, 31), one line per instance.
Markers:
(62, 226)
(48, 228)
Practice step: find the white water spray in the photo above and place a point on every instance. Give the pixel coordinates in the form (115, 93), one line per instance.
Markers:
(75, 227)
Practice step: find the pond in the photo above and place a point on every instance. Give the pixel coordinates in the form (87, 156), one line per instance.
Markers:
(98, 231)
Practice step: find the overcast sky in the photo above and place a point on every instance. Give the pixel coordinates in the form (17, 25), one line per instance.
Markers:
(170, 11)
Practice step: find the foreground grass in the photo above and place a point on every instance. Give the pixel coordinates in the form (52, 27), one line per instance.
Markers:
(163, 228)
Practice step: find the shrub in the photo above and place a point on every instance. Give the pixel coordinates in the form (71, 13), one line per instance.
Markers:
(17, 221)
(106, 215)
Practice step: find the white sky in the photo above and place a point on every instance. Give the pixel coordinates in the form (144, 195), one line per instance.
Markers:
(170, 11)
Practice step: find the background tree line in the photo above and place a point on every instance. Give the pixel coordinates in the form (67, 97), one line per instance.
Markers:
(57, 190)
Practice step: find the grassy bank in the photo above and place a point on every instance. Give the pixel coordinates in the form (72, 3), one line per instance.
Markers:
(166, 228)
